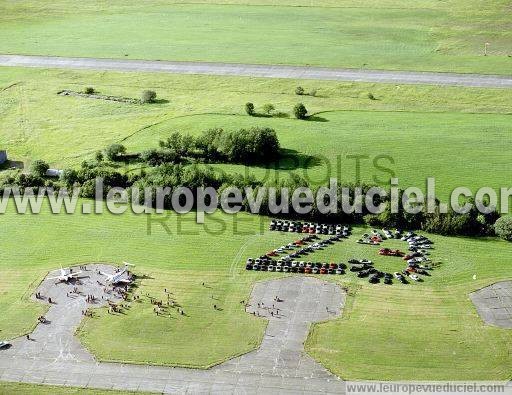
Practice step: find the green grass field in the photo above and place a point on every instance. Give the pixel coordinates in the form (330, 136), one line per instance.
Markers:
(7, 388)
(394, 34)
(428, 330)
(430, 326)
(417, 126)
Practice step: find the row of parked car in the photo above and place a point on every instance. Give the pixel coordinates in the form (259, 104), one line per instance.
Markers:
(309, 227)
(272, 265)
(286, 257)
(418, 261)
(365, 268)
(300, 248)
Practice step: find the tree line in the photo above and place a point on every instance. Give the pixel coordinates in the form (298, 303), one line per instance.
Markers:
(179, 162)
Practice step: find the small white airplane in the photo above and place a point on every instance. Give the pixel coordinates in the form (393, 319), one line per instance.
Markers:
(64, 277)
(117, 278)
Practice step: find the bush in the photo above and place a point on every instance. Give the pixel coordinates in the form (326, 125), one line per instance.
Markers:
(148, 96)
(99, 156)
(114, 151)
(299, 90)
(69, 177)
(503, 227)
(372, 220)
(249, 108)
(313, 92)
(88, 189)
(39, 168)
(268, 108)
(300, 111)
(89, 90)
(182, 145)
(241, 146)
(371, 97)
(23, 180)
(154, 157)
(252, 145)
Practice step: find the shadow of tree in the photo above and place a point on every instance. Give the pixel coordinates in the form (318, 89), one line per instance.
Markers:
(12, 164)
(281, 114)
(160, 101)
(291, 159)
(316, 118)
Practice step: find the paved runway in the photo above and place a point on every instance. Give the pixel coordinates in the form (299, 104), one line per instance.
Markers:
(265, 71)
(279, 366)
(494, 304)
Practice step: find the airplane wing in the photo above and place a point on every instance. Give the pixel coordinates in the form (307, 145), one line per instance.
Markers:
(109, 276)
(74, 274)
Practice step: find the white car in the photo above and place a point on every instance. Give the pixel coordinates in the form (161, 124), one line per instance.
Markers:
(414, 277)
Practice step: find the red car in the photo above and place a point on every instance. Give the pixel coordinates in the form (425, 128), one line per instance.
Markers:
(388, 252)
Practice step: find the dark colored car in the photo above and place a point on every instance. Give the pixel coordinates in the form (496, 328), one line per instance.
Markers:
(363, 273)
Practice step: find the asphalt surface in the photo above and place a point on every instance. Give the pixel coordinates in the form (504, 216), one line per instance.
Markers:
(279, 366)
(265, 71)
(494, 304)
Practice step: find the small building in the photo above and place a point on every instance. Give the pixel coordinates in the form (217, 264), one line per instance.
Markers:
(3, 157)
(53, 173)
